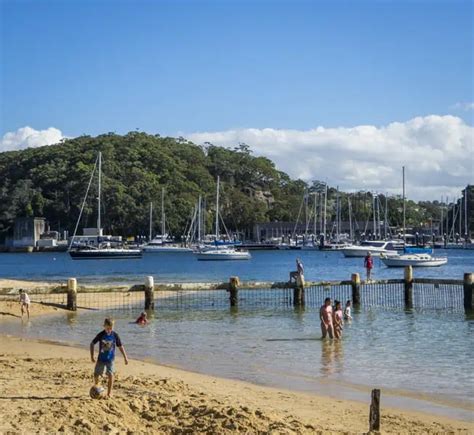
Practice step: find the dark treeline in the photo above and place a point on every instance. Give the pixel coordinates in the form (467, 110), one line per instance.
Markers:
(51, 182)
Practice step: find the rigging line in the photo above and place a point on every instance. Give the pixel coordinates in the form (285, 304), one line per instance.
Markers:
(83, 203)
(298, 218)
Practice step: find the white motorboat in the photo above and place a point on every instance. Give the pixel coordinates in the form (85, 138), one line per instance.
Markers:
(222, 253)
(375, 247)
(415, 260)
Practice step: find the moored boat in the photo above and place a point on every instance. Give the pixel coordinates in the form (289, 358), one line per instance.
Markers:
(375, 247)
(414, 260)
(222, 253)
(104, 253)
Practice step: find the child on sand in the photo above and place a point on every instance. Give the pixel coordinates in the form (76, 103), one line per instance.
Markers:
(24, 303)
(325, 314)
(142, 319)
(108, 339)
(338, 322)
(347, 311)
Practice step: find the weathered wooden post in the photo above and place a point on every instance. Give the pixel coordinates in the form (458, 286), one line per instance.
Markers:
(234, 291)
(408, 287)
(469, 291)
(298, 291)
(355, 283)
(149, 293)
(374, 415)
(72, 294)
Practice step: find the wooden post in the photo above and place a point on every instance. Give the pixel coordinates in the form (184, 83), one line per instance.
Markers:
(72, 294)
(298, 291)
(374, 416)
(234, 283)
(149, 293)
(355, 278)
(408, 287)
(469, 291)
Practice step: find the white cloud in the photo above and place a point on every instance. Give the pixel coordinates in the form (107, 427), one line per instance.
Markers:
(463, 106)
(27, 137)
(437, 151)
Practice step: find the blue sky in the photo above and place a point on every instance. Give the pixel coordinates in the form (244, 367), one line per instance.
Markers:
(186, 66)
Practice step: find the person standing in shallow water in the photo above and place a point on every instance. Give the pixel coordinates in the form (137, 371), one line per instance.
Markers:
(325, 314)
(337, 320)
(369, 264)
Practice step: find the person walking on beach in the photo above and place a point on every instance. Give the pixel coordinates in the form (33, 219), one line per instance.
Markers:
(347, 311)
(325, 314)
(108, 339)
(24, 303)
(337, 320)
(369, 264)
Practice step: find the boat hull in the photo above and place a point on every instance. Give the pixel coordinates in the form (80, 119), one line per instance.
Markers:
(106, 254)
(167, 249)
(403, 262)
(214, 256)
(362, 251)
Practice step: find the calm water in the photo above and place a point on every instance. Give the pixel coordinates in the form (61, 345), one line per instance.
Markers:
(264, 265)
(428, 353)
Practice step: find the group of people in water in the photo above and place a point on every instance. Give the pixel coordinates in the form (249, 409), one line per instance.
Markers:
(332, 318)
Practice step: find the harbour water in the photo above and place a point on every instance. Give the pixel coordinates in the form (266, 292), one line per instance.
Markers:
(425, 357)
(183, 267)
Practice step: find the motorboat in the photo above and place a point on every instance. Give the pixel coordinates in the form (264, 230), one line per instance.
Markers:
(375, 247)
(334, 246)
(221, 253)
(415, 260)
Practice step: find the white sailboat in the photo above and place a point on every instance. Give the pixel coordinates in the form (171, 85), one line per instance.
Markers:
(220, 252)
(414, 260)
(103, 248)
(158, 244)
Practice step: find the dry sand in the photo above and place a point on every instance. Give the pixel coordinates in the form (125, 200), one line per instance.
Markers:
(44, 388)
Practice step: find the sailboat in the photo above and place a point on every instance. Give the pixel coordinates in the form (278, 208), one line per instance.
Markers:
(220, 251)
(411, 259)
(103, 247)
(158, 244)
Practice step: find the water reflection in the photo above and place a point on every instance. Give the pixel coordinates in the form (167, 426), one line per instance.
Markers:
(331, 357)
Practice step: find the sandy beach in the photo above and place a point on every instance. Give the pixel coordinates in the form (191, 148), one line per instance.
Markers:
(45, 388)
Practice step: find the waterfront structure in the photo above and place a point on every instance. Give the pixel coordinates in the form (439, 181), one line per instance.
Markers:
(27, 231)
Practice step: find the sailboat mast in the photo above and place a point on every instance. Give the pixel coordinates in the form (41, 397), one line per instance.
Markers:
(199, 219)
(465, 214)
(385, 226)
(217, 209)
(162, 213)
(325, 210)
(373, 217)
(350, 215)
(151, 222)
(315, 212)
(99, 226)
(404, 208)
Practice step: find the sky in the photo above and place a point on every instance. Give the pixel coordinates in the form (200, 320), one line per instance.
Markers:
(342, 91)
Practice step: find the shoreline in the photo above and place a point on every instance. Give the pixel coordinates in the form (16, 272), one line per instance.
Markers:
(300, 401)
(296, 411)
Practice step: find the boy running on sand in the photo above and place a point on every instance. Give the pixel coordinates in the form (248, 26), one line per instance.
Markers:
(24, 303)
(108, 339)
(325, 314)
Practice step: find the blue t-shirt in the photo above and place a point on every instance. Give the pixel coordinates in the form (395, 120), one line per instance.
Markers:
(107, 343)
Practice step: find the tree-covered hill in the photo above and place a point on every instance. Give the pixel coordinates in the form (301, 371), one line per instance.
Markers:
(51, 182)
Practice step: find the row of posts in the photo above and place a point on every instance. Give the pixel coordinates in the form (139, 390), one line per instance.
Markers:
(298, 291)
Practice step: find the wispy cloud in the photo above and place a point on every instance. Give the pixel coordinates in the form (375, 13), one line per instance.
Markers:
(463, 106)
(27, 137)
(438, 152)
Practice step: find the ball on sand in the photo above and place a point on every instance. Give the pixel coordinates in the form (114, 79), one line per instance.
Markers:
(97, 392)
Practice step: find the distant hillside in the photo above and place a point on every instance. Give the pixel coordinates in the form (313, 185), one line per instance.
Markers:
(51, 182)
